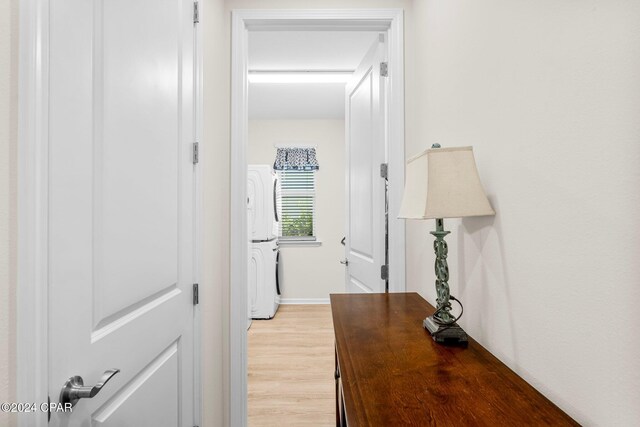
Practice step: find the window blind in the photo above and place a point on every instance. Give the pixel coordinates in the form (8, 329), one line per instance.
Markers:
(298, 189)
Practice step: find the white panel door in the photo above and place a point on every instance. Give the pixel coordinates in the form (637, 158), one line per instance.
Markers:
(121, 216)
(365, 137)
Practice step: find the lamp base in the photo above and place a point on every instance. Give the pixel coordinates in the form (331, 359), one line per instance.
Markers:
(450, 334)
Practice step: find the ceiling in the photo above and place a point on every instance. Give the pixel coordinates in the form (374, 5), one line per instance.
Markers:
(303, 50)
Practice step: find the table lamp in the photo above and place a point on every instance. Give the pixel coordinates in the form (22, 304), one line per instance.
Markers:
(443, 183)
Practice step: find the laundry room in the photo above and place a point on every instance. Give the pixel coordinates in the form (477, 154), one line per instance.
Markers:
(296, 135)
(308, 198)
(297, 206)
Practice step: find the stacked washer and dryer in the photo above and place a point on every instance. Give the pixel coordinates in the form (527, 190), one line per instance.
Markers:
(263, 214)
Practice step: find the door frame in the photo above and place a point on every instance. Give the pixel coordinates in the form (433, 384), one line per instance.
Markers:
(32, 340)
(243, 21)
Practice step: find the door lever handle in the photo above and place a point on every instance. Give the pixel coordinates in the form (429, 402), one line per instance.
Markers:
(74, 388)
(345, 261)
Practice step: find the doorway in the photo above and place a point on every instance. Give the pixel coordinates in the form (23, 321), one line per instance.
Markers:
(386, 22)
(297, 210)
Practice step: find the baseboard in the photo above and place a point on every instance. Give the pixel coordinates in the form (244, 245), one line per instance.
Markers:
(285, 301)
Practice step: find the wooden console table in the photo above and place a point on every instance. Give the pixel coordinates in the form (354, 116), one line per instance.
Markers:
(389, 372)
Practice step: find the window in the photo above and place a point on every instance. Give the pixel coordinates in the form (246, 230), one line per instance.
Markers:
(298, 194)
(296, 167)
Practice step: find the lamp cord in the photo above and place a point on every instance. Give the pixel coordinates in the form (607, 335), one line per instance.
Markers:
(448, 325)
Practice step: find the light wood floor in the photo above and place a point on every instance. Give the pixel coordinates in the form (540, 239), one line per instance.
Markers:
(291, 364)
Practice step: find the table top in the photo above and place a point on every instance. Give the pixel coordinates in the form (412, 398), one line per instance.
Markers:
(394, 374)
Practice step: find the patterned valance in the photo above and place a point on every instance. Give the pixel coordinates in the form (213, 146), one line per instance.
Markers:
(295, 158)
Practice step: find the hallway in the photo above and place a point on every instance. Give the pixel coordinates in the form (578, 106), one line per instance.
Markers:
(291, 364)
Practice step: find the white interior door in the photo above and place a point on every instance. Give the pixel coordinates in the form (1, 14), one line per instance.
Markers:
(365, 137)
(121, 209)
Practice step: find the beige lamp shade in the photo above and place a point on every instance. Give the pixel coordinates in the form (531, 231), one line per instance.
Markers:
(443, 183)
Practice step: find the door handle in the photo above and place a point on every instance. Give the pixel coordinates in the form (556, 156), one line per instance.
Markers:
(275, 201)
(74, 388)
(344, 262)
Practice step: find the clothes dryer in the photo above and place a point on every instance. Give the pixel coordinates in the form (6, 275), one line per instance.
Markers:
(264, 279)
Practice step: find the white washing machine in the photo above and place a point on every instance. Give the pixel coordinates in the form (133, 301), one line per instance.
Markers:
(263, 208)
(264, 279)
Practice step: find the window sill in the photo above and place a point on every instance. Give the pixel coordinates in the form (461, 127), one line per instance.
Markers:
(306, 243)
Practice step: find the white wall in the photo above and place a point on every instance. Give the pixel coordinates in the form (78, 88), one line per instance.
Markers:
(8, 160)
(548, 93)
(310, 272)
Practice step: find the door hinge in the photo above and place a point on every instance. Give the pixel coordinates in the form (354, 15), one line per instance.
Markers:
(196, 294)
(384, 69)
(384, 272)
(384, 170)
(196, 153)
(196, 12)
